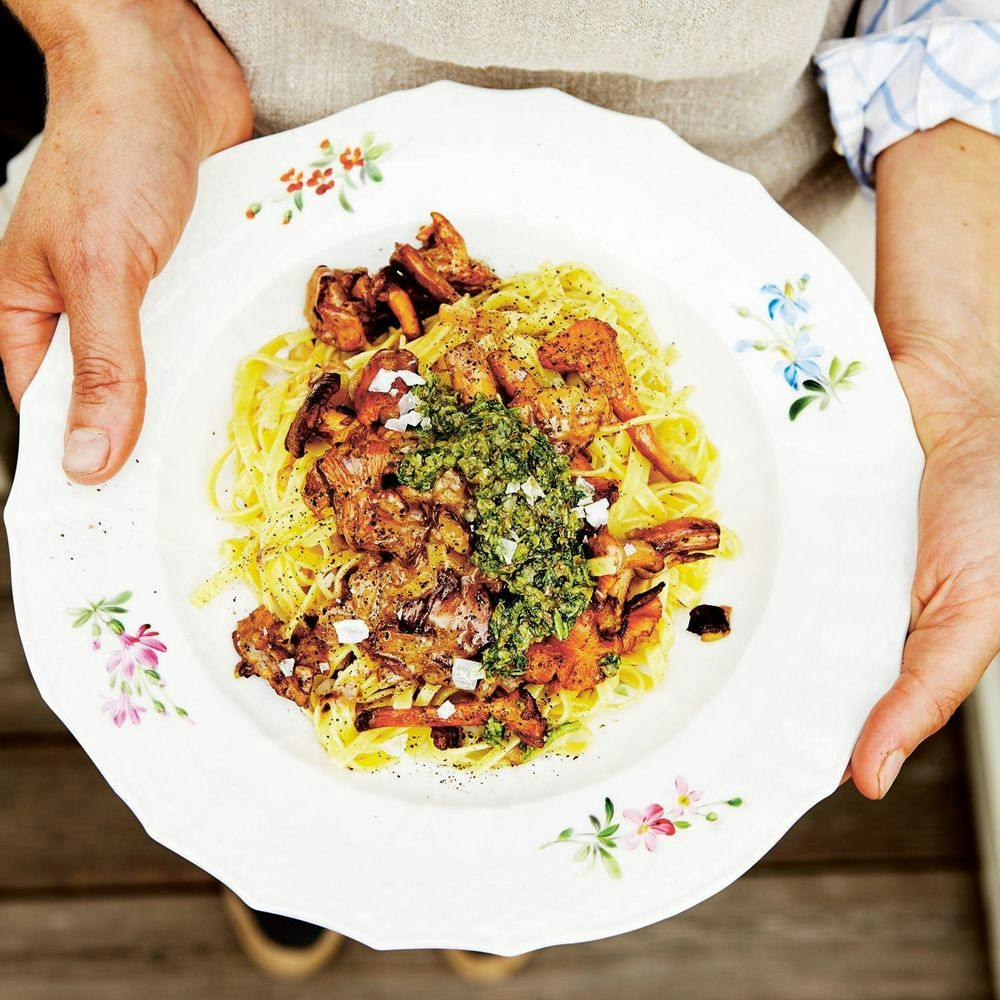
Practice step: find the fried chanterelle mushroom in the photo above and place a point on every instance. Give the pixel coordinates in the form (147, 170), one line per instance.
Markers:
(349, 308)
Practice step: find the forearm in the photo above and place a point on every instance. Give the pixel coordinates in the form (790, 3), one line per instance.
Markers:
(938, 273)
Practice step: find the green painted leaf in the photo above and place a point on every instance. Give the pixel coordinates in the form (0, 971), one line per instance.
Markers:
(376, 151)
(813, 386)
(125, 595)
(799, 405)
(595, 822)
(853, 368)
(734, 802)
(825, 402)
(711, 817)
(115, 609)
(373, 172)
(344, 203)
(742, 311)
(82, 618)
(834, 368)
(116, 626)
(298, 200)
(759, 345)
(349, 181)
(565, 834)
(610, 831)
(160, 707)
(322, 163)
(681, 824)
(180, 711)
(610, 863)
(581, 854)
(609, 811)
(367, 139)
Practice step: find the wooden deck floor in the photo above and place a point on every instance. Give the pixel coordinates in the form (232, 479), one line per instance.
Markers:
(859, 900)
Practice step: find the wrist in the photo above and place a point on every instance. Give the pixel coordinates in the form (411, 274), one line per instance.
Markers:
(80, 25)
(952, 382)
(99, 50)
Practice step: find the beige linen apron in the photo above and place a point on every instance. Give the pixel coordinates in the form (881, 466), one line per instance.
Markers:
(732, 77)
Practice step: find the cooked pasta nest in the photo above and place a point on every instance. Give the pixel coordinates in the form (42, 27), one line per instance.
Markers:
(294, 562)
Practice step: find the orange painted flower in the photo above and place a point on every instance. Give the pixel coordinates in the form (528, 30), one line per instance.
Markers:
(351, 158)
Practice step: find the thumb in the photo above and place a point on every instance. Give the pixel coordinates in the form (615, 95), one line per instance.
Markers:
(947, 652)
(109, 376)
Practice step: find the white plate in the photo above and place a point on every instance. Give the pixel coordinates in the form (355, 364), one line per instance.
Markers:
(761, 724)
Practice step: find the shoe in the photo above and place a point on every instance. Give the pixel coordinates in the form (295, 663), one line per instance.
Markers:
(281, 947)
(478, 967)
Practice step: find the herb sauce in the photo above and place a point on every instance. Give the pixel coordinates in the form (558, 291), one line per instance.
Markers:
(531, 541)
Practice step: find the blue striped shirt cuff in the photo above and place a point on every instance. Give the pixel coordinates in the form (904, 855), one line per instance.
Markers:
(914, 64)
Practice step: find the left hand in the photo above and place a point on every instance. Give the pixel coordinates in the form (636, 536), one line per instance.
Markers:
(937, 275)
(955, 621)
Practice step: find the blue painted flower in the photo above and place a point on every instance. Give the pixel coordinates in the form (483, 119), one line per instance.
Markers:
(785, 304)
(800, 360)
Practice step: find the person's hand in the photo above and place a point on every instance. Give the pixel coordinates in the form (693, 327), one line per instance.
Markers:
(139, 94)
(955, 621)
(938, 303)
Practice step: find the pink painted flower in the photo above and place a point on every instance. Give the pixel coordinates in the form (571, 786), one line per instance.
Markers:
(137, 650)
(686, 798)
(649, 824)
(122, 708)
(95, 643)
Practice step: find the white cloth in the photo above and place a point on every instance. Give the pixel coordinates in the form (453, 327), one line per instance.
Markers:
(913, 65)
(734, 79)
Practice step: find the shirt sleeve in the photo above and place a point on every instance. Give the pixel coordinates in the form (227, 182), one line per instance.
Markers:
(912, 65)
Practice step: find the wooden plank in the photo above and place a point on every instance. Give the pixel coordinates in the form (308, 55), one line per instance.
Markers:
(910, 825)
(776, 937)
(64, 829)
(62, 826)
(22, 711)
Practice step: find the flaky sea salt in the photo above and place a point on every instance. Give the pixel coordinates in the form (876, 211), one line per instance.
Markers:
(465, 674)
(385, 379)
(596, 513)
(351, 630)
(507, 546)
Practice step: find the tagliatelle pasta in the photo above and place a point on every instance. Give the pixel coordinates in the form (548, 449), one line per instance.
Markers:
(296, 562)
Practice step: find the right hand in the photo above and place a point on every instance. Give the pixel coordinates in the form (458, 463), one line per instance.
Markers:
(138, 96)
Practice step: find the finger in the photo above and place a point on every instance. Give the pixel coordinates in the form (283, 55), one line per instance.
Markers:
(109, 378)
(30, 305)
(24, 338)
(943, 658)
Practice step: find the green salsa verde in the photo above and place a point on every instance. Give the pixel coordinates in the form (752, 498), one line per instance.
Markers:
(524, 529)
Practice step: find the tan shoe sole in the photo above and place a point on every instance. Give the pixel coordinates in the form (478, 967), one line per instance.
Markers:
(475, 967)
(274, 959)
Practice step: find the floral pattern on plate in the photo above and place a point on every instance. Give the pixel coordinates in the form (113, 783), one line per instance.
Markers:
(799, 358)
(645, 828)
(352, 166)
(135, 683)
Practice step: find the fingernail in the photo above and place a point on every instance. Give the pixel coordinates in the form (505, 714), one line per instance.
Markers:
(888, 771)
(86, 451)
